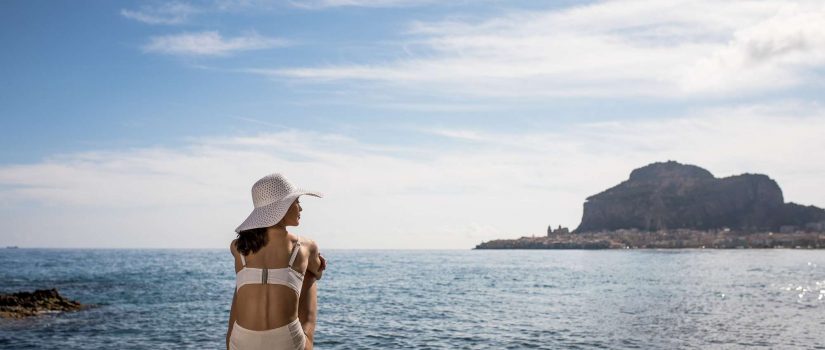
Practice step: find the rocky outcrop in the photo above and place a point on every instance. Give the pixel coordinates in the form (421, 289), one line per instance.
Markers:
(671, 195)
(22, 304)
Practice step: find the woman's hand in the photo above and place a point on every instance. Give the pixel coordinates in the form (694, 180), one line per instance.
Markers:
(323, 263)
(317, 263)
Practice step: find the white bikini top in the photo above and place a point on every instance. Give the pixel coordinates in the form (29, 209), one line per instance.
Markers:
(286, 276)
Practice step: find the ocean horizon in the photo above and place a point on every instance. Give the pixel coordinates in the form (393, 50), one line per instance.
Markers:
(434, 299)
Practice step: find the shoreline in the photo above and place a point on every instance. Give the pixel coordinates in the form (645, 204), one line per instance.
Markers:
(664, 239)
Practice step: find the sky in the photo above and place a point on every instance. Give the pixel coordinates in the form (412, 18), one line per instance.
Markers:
(426, 124)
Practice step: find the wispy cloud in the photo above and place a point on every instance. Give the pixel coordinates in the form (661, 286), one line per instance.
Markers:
(614, 48)
(209, 43)
(481, 184)
(163, 13)
(179, 12)
(460, 134)
(322, 4)
(260, 122)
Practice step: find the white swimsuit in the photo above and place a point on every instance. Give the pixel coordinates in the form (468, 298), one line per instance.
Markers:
(290, 336)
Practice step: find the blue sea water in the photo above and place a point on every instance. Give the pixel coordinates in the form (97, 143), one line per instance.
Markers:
(439, 299)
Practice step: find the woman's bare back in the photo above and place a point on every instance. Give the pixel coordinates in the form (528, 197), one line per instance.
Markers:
(269, 306)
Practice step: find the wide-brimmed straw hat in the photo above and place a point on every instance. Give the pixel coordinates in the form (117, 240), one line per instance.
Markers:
(272, 196)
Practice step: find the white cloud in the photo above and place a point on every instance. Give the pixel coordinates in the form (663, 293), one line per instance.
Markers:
(209, 43)
(482, 185)
(164, 13)
(613, 48)
(775, 53)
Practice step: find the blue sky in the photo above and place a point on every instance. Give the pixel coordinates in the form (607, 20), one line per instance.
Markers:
(428, 124)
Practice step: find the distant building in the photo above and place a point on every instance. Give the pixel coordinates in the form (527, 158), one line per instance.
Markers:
(816, 226)
(559, 231)
(787, 229)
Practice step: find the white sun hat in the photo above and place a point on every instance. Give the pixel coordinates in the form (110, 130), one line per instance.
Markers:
(272, 196)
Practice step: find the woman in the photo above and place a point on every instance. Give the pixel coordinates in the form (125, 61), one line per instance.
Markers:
(275, 301)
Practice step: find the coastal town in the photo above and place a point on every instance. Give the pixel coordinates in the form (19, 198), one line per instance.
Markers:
(811, 237)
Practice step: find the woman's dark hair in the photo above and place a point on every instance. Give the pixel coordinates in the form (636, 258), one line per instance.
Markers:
(251, 241)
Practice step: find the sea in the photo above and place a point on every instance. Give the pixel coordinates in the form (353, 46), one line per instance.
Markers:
(439, 299)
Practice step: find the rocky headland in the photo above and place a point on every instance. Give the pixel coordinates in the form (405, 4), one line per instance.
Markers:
(671, 195)
(24, 304)
(673, 205)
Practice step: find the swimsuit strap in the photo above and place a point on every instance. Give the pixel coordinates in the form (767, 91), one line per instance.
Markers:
(294, 252)
(243, 260)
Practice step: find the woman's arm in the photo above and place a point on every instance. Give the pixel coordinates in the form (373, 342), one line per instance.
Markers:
(308, 303)
(316, 263)
(232, 315)
(308, 308)
(231, 319)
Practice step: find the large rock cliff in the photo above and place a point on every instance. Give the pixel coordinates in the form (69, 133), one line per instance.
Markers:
(671, 195)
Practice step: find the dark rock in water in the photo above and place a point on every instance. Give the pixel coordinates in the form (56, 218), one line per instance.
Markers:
(671, 195)
(22, 304)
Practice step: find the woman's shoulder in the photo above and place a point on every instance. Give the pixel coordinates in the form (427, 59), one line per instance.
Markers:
(233, 247)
